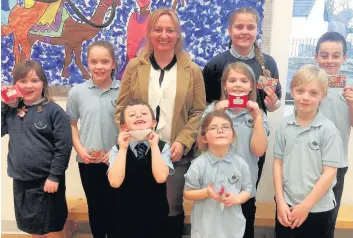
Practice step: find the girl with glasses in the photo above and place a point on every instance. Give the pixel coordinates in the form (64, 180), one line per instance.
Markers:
(249, 123)
(219, 181)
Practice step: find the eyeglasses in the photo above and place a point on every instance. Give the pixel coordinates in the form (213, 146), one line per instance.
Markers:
(224, 127)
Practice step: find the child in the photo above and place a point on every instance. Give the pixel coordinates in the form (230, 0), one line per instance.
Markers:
(139, 170)
(93, 103)
(39, 151)
(243, 27)
(243, 30)
(307, 152)
(337, 106)
(215, 214)
(250, 124)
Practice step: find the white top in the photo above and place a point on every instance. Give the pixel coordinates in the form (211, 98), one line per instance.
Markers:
(164, 96)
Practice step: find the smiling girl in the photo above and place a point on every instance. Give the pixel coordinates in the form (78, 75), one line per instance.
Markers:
(214, 215)
(93, 103)
(250, 124)
(39, 152)
(243, 30)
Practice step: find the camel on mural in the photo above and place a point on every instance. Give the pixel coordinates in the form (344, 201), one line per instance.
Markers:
(73, 35)
(23, 20)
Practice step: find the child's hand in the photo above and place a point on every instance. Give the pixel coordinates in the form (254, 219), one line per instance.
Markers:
(153, 138)
(271, 98)
(86, 158)
(348, 95)
(124, 139)
(212, 194)
(222, 105)
(254, 109)
(50, 186)
(284, 215)
(299, 214)
(11, 102)
(230, 199)
(105, 158)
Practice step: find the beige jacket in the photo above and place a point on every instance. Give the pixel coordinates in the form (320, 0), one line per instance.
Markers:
(190, 100)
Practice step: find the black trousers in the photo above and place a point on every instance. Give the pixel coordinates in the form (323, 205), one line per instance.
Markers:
(316, 225)
(337, 190)
(100, 199)
(249, 210)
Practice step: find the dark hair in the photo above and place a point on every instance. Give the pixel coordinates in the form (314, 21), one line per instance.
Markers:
(258, 54)
(332, 36)
(209, 117)
(22, 69)
(133, 103)
(108, 46)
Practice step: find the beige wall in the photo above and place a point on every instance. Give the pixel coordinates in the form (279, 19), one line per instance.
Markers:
(279, 47)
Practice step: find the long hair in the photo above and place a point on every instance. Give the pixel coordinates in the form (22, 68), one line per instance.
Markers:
(258, 54)
(22, 69)
(154, 16)
(243, 69)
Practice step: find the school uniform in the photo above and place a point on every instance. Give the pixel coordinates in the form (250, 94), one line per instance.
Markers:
(40, 145)
(243, 126)
(207, 218)
(304, 152)
(212, 75)
(176, 94)
(141, 203)
(334, 107)
(94, 108)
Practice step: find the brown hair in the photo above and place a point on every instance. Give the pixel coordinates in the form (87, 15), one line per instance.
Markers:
(258, 54)
(154, 16)
(243, 69)
(22, 69)
(109, 47)
(207, 121)
(133, 103)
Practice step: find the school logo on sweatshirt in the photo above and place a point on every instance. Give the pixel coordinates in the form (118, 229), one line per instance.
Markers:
(40, 125)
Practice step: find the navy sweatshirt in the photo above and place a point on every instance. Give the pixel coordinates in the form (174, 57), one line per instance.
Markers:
(40, 143)
(212, 74)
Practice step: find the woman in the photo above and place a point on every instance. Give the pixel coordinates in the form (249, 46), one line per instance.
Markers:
(164, 76)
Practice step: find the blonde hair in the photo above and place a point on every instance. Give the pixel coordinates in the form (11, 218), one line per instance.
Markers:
(154, 16)
(243, 69)
(310, 73)
(258, 54)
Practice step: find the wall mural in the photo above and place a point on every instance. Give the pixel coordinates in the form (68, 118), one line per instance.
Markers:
(57, 32)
